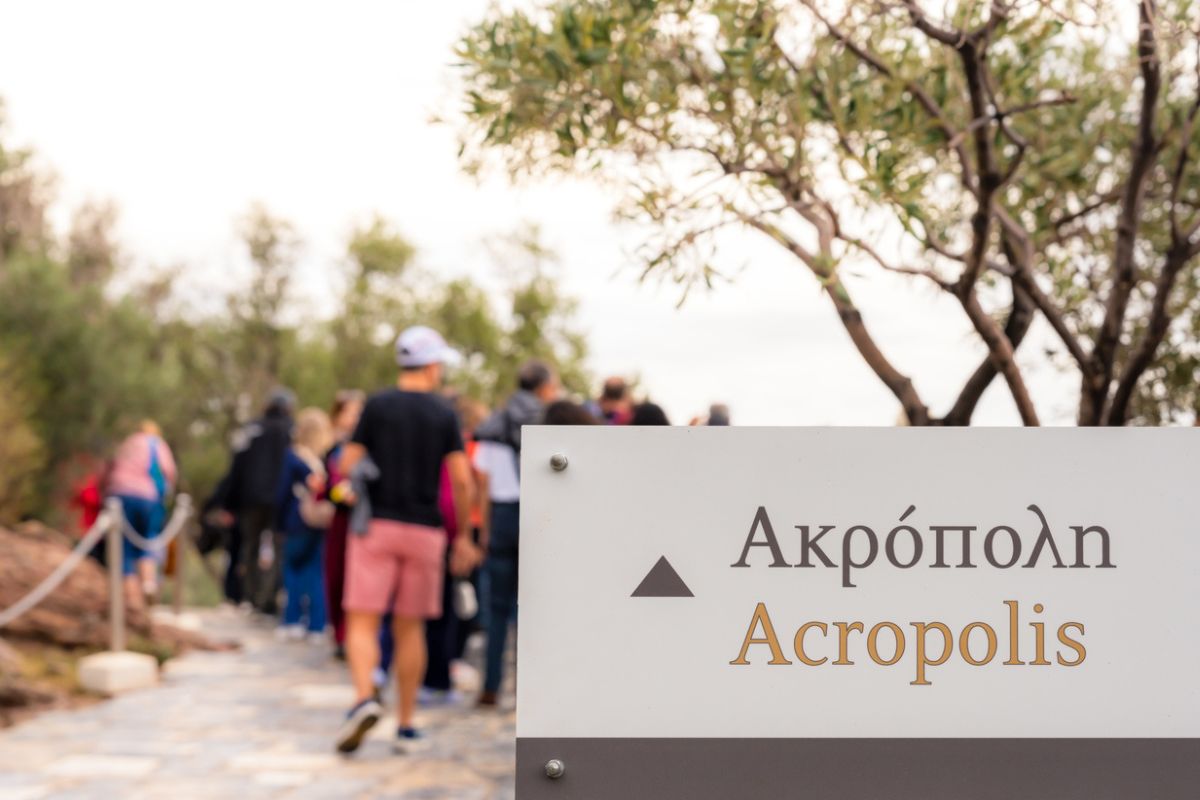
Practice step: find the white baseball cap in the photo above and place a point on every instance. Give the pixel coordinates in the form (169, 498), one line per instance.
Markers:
(420, 346)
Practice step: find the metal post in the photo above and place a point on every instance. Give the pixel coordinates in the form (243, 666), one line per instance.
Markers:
(181, 543)
(116, 575)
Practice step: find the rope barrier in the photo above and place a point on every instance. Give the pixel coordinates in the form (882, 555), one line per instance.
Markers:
(60, 573)
(183, 509)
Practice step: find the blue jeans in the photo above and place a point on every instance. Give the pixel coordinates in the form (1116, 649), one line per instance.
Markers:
(304, 582)
(501, 569)
(145, 517)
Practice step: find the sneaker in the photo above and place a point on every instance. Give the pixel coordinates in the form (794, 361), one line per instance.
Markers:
(465, 677)
(316, 638)
(488, 700)
(408, 741)
(339, 652)
(438, 697)
(289, 633)
(359, 720)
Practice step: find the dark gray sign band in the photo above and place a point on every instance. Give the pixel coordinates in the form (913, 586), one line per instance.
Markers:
(861, 769)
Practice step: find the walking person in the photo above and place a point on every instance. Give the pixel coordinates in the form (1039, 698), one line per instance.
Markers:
(303, 518)
(409, 433)
(441, 631)
(445, 636)
(614, 407)
(497, 460)
(253, 479)
(566, 412)
(718, 414)
(142, 476)
(347, 407)
(88, 499)
(648, 413)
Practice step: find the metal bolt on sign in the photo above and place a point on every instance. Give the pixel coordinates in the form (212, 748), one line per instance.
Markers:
(558, 462)
(555, 768)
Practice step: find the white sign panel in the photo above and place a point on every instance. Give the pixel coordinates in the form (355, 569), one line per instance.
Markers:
(775, 585)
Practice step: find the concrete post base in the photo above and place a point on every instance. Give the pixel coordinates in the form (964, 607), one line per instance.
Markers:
(110, 673)
(186, 620)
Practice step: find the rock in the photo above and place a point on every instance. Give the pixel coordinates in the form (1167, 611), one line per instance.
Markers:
(76, 613)
(21, 695)
(10, 662)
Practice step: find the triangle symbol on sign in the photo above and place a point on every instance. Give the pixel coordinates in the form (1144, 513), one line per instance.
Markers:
(662, 581)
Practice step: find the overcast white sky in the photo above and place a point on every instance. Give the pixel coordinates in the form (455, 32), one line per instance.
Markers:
(185, 114)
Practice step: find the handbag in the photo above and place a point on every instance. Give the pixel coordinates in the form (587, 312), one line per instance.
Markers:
(466, 602)
(315, 513)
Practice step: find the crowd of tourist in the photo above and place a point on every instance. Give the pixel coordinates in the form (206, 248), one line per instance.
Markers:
(387, 528)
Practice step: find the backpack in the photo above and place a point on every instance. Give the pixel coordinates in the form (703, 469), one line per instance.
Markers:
(156, 471)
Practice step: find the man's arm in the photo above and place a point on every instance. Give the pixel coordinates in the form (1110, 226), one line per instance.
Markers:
(466, 555)
(352, 453)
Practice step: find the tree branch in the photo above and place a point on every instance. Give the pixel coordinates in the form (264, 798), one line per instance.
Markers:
(898, 383)
(1003, 357)
(1142, 355)
(923, 98)
(946, 36)
(1181, 161)
(990, 179)
(1020, 318)
(1182, 250)
(972, 51)
(1001, 116)
(929, 274)
(1094, 390)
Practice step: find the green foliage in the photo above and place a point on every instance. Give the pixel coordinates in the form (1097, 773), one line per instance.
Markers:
(539, 325)
(22, 201)
(21, 452)
(832, 127)
(81, 364)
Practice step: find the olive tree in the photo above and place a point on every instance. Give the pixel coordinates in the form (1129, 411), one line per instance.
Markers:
(1029, 158)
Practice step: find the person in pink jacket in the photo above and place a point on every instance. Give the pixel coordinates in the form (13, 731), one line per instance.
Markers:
(143, 475)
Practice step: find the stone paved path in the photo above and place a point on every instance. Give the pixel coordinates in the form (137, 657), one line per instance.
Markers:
(251, 724)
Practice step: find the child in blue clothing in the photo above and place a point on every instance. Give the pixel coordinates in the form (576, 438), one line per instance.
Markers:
(303, 516)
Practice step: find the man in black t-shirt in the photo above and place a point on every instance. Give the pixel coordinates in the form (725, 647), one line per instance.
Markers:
(411, 435)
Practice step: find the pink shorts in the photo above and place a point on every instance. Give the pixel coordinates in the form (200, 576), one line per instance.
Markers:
(397, 565)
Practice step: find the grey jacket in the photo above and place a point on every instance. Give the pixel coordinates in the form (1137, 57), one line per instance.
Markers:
(361, 476)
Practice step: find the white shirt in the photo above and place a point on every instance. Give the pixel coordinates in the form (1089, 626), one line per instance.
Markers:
(499, 461)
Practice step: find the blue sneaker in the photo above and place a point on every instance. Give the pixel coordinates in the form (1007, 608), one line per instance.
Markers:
(434, 698)
(408, 740)
(359, 720)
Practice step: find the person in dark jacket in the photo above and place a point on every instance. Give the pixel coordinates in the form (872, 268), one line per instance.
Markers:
(253, 478)
(497, 461)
